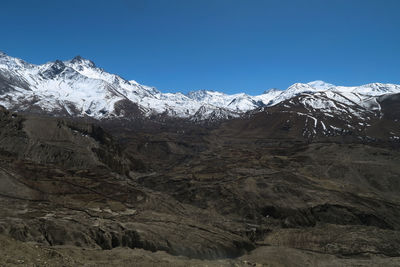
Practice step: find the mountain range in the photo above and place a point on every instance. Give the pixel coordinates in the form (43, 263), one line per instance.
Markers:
(79, 88)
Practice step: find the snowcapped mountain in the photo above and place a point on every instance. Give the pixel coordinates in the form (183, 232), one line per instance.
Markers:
(77, 87)
(355, 94)
(364, 113)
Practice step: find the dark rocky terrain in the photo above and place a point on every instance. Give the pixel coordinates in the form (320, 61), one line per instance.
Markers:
(254, 191)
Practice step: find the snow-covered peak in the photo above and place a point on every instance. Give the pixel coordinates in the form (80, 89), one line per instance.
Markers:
(87, 68)
(51, 70)
(378, 88)
(268, 97)
(11, 63)
(298, 88)
(371, 89)
(78, 60)
(130, 89)
(320, 85)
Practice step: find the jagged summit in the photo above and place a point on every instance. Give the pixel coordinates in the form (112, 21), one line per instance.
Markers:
(77, 58)
(54, 69)
(80, 60)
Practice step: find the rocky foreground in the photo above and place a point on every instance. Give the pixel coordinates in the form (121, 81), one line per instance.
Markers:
(16, 253)
(233, 194)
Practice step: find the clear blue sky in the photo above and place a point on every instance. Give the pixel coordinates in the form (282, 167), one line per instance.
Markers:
(227, 45)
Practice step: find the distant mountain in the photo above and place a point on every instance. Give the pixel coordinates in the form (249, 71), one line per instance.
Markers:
(77, 87)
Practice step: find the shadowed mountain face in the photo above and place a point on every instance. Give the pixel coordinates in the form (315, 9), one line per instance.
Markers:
(285, 178)
(295, 119)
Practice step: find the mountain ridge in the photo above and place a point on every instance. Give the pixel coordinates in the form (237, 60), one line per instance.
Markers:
(77, 87)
